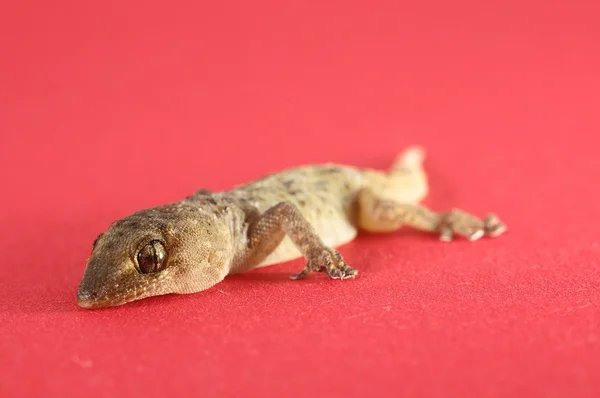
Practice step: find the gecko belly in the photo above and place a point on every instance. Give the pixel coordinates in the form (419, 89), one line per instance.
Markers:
(287, 251)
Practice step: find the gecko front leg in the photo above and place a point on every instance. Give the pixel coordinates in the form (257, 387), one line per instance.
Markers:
(267, 232)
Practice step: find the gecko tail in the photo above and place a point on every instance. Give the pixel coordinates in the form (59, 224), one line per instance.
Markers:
(405, 181)
(411, 159)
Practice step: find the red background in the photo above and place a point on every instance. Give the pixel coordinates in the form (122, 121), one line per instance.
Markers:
(116, 106)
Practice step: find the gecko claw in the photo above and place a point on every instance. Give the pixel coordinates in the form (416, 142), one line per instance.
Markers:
(342, 273)
(350, 274)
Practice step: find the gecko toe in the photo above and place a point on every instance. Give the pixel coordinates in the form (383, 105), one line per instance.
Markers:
(329, 261)
(342, 271)
(300, 275)
(349, 273)
(475, 235)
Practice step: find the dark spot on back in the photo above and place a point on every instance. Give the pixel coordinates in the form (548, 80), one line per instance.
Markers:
(132, 224)
(321, 184)
(329, 170)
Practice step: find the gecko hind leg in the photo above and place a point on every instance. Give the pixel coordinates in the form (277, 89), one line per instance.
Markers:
(267, 232)
(382, 215)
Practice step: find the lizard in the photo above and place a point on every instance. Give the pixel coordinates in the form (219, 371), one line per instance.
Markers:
(307, 211)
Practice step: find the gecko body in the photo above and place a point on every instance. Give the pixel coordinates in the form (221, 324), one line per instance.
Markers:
(191, 245)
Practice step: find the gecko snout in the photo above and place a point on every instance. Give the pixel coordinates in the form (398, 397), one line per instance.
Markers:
(86, 299)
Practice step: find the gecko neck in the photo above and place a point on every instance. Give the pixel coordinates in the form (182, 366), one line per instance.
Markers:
(229, 211)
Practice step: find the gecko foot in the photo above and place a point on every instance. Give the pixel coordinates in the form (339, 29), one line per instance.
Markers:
(329, 261)
(493, 226)
(468, 226)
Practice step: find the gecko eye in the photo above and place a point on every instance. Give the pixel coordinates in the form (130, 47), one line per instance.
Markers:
(152, 258)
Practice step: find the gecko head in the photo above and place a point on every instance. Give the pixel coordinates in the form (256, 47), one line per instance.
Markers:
(168, 249)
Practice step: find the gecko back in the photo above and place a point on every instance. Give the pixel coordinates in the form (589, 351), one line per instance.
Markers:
(326, 195)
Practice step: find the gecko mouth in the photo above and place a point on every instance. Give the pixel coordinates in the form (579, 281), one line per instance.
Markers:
(92, 299)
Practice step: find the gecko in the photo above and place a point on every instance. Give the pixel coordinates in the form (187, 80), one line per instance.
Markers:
(307, 211)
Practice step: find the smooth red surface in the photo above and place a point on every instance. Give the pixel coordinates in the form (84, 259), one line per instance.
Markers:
(110, 107)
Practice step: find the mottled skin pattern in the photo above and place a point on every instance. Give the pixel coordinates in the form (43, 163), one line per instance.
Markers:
(192, 245)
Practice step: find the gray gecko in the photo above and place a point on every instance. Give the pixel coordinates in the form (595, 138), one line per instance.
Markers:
(192, 245)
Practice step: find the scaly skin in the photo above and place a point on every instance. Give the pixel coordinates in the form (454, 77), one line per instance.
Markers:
(192, 245)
